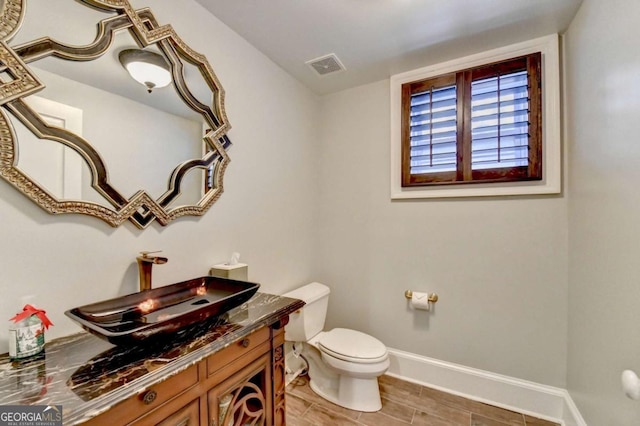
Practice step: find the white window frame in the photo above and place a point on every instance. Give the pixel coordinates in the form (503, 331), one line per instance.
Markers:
(551, 128)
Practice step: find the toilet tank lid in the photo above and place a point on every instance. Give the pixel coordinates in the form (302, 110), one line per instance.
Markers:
(309, 293)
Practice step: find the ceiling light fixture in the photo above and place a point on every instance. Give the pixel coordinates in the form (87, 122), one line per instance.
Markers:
(147, 68)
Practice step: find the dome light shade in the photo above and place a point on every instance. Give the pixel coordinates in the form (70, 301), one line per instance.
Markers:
(147, 68)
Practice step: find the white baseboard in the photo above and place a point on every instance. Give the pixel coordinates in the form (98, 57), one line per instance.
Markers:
(546, 402)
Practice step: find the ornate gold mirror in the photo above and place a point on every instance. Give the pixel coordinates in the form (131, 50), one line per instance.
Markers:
(78, 152)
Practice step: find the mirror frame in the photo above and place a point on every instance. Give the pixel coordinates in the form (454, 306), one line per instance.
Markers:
(141, 208)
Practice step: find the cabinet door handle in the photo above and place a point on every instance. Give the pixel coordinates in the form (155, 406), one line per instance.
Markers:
(149, 397)
(245, 343)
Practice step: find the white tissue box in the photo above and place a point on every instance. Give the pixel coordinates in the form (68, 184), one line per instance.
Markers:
(239, 271)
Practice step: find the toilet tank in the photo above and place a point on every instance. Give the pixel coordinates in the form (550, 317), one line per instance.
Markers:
(309, 320)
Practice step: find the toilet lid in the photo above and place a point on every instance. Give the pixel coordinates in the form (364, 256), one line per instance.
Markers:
(351, 344)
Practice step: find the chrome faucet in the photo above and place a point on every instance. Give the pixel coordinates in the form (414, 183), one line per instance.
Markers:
(145, 263)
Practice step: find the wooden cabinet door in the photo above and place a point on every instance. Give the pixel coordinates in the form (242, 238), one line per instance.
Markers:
(244, 398)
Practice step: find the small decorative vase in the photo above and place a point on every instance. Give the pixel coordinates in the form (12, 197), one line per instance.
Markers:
(26, 332)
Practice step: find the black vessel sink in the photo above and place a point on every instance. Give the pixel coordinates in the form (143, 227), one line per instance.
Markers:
(161, 311)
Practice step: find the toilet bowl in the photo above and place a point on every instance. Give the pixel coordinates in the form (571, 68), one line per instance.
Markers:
(344, 365)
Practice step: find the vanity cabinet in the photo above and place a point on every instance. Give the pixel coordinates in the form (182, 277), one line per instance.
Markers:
(240, 384)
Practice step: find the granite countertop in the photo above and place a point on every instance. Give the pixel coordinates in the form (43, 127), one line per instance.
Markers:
(87, 375)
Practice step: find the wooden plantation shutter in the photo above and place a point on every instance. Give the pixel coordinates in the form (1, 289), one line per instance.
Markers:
(476, 125)
(430, 137)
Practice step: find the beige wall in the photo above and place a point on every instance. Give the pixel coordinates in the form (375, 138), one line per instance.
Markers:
(67, 261)
(603, 104)
(498, 264)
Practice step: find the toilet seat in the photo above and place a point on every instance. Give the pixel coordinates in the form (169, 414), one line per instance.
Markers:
(353, 346)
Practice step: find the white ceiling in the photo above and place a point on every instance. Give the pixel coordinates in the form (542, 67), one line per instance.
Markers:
(377, 38)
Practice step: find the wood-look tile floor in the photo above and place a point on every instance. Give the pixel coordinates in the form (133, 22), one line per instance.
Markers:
(403, 403)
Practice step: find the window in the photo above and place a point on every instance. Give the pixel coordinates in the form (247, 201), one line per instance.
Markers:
(477, 128)
(481, 124)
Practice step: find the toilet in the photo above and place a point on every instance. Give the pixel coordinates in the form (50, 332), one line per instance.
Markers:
(343, 364)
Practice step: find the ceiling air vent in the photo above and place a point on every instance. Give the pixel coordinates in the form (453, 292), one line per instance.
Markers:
(326, 64)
